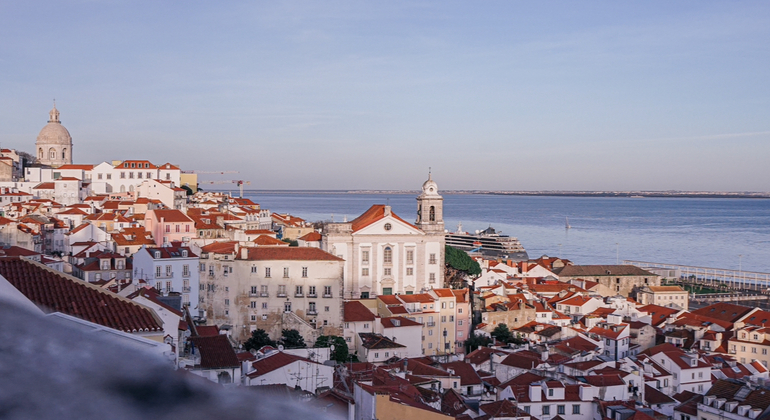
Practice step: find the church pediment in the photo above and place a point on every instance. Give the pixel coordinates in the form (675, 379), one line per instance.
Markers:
(389, 225)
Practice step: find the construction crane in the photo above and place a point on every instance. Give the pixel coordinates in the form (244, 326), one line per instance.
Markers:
(209, 172)
(237, 181)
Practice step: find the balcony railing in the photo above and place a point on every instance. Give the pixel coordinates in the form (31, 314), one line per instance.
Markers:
(327, 295)
(186, 289)
(299, 295)
(430, 324)
(282, 294)
(312, 312)
(312, 295)
(264, 294)
(253, 294)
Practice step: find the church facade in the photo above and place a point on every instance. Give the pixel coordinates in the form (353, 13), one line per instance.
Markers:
(54, 143)
(385, 254)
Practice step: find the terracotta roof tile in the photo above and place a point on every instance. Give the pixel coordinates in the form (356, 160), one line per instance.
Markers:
(216, 352)
(375, 213)
(58, 292)
(355, 311)
(290, 254)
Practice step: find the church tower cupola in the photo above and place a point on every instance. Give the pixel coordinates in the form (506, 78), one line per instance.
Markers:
(430, 208)
(54, 143)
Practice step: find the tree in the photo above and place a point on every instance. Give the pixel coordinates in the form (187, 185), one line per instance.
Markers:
(258, 339)
(188, 189)
(459, 266)
(502, 333)
(291, 242)
(291, 339)
(475, 341)
(340, 353)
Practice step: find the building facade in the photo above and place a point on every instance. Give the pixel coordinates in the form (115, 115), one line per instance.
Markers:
(54, 143)
(384, 254)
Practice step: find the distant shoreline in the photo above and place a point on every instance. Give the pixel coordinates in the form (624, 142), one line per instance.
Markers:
(600, 194)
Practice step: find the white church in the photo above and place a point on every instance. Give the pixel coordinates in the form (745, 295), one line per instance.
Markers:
(384, 254)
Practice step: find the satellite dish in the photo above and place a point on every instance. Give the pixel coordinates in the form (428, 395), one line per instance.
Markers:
(253, 352)
(280, 347)
(331, 347)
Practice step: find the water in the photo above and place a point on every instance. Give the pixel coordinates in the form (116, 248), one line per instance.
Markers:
(689, 231)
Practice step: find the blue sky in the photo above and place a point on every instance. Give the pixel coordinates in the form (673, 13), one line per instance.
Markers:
(363, 95)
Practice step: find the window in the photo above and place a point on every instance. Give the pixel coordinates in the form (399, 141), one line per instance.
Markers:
(109, 176)
(700, 375)
(432, 259)
(365, 271)
(286, 272)
(387, 290)
(387, 255)
(311, 290)
(227, 302)
(298, 290)
(460, 322)
(365, 257)
(177, 228)
(253, 305)
(432, 214)
(122, 175)
(409, 271)
(388, 226)
(149, 175)
(186, 270)
(263, 290)
(560, 409)
(99, 176)
(267, 272)
(410, 257)
(287, 306)
(326, 309)
(451, 318)
(753, 349)
(575, 408)
(168, 228)
(311, 307)
(158, 271)
(253, 268)
(98, 276)
(253, 290)
(304, 271)
(328, 291)
(432, 278)
(443, 318)
(264, 305)
(139, 175)
(386, 271)
(282, 290)
(526, 409)
(547, 408)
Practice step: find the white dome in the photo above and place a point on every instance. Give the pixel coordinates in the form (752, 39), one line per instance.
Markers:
(54, 132)
(430, 187)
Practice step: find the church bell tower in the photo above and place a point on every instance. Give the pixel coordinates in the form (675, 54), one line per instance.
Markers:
(430, 208)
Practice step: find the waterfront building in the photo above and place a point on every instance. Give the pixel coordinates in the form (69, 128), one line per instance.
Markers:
(624, 280)
(668, 296)
(384, 254)
(54, 143)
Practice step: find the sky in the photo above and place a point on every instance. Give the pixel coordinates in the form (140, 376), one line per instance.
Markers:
(508, 95)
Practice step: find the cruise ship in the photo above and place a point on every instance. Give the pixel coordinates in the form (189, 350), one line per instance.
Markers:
(487, 243)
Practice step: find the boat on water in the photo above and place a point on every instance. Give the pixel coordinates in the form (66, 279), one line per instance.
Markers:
(566, 223)
(487, 243)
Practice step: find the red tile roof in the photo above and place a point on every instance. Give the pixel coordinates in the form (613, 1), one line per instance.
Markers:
(272, 362)
(76, 166)
(170, 215)
(290, 254)
(355, 311)
(45, 186)
(228, 247)
(216, 352)
(724, 311)
(402, 322)
(311, 237)
(375, 213)
(264, 240)
(58, 292)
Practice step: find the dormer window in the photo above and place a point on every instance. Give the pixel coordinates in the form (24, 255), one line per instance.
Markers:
(184, 253)
(157, 254)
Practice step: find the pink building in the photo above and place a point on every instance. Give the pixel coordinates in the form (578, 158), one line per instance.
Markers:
(168, 225)
(462, 318)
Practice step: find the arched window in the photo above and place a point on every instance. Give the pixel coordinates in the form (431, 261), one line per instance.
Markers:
(432, 214)
(52, 153)
(131, 188)
(387, 255)
(64, 153)
(40, 153)
(122, 188)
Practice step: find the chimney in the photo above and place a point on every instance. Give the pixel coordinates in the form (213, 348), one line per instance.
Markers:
(244, 253)
(387, 210)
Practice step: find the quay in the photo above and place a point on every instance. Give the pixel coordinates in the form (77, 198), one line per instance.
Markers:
(717, 278)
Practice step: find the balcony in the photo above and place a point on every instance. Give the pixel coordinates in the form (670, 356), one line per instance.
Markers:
(312, 295)
(265, 294)
(327, 295)
(430, 324)
(281, 294)
(312, 312)
(253, 294)
(298, 295)
(186, 289)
